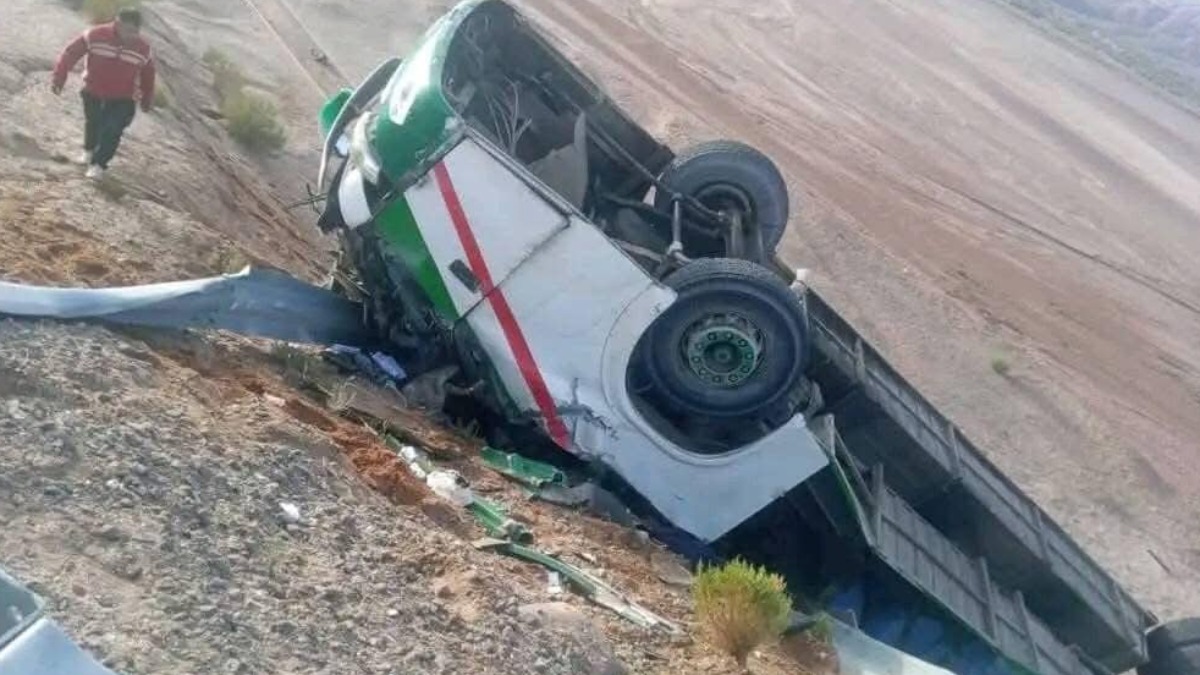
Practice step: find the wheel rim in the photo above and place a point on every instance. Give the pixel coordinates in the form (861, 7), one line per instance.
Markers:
(724, 198)
(723, 350)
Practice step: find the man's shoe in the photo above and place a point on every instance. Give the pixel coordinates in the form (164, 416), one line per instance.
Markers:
(86, 158)
(95, 172)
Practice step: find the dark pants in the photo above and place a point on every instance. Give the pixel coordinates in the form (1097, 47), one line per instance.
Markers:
(106, 121)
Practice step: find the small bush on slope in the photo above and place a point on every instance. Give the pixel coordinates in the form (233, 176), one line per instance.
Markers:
(102, 11)
(740, 606)
(251, 120)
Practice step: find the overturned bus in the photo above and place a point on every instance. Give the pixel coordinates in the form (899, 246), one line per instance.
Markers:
(500, 212)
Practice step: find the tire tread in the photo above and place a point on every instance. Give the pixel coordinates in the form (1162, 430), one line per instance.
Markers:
(748, 155)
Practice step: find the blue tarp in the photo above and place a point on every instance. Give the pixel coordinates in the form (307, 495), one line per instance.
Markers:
(915, 630)
(255, 302)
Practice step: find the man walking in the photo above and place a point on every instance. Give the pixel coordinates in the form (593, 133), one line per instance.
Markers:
(118, 73)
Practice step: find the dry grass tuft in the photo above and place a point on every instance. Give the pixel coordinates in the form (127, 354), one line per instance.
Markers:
(103, 11)
(739, 606)
(252, 120)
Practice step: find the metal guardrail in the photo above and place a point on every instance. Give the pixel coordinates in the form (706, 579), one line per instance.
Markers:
(19, 608)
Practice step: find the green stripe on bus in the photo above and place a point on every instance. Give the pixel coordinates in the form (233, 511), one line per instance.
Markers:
(400, 231)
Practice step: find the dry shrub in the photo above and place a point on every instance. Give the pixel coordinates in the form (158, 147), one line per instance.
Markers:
(226, 258)
(1001, 364)
(740, 606)
(250, 119)
(163, 98)
(103, 11)
(254, 122)
(227, 76)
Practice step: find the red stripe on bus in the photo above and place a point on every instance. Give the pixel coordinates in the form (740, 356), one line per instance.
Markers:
(504, 314)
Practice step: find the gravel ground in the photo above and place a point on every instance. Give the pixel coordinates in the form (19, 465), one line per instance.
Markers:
(142, 484)
(144, 502)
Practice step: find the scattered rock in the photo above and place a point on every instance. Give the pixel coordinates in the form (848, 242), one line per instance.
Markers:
(596, 655)
(14, 410)
(669, 569)
(558, 615)
(130, 571)
(443, 589)
(112, 534)
(291, 512)
(446, 516)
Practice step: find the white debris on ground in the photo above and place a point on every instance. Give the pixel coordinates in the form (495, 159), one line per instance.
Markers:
(178, 521)
(161, 518)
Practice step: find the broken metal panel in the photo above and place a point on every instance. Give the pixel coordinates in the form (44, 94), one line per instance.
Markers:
(254, 302)
(32, 643)
(533, 473)
(45, 649)
(859, 654)
(19, 608)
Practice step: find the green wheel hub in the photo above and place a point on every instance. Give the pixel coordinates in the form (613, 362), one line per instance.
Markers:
(723, 350)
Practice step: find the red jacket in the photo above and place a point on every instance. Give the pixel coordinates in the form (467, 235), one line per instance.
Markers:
(113, 69)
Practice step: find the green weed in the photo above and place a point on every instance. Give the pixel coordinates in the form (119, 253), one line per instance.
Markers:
(103, 11)
(252, 120)
(740, 606)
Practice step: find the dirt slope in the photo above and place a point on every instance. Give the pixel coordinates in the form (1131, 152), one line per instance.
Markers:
(965, 186)
(143, 476)
(968, 189)
(154, 526)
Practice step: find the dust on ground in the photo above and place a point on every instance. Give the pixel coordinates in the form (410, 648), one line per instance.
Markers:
(144, 479)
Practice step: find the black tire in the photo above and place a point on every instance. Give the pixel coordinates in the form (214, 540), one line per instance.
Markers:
(1174, 649)
(706, 170)
(758, 305)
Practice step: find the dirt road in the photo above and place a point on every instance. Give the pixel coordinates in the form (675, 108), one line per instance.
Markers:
(971, 191)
